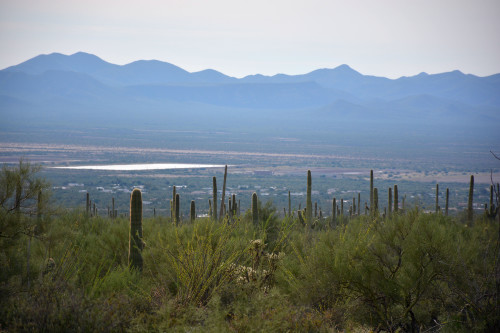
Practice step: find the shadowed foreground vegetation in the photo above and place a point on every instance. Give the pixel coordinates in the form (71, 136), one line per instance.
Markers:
(409, 272)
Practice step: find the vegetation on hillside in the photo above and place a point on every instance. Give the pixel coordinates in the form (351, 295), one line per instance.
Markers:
(255, 271)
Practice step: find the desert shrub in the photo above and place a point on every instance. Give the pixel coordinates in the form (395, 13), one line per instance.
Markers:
(405, 272)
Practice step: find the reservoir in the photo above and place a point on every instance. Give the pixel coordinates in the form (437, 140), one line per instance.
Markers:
(141, 167)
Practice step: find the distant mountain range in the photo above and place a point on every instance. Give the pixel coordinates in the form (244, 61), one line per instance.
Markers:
(84, 89)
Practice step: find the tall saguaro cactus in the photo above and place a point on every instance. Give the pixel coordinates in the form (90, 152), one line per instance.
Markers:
(309, 208)
(177, 209)
(447, 200)
(437, 198)
(214, 199)
(396, 199)
(255, 209)
(221, 216)
(389, 208)
(371, 190)
(289, 204)
(174, 193)
(334, 210)
(135, 243)
(359, 203)
(470, 211)
(87, 207)
(192, 211)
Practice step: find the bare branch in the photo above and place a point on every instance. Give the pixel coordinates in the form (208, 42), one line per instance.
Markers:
(492, 153)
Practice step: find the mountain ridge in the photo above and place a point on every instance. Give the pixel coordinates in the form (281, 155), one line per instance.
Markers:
(82, 88)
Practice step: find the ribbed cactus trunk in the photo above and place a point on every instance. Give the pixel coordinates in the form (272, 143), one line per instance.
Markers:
(315, 209)
(135, 236)
(289, 204)
(177, 209)
(341, 209)
(174, 193)
(359, 203)
(309, 208)
(214, 198)
(235, 205)
(87, 207)
(389, 206)
(334, 211)
(192, 211)
(447, 200)
(255, 209)
(375, 201)
(371, 190)
(113, 207)
(437, 198)
(470, 211)
(353, 206)
(396, 199)
(222, 203)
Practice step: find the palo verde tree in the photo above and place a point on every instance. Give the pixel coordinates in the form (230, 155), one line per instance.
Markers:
(23, 199)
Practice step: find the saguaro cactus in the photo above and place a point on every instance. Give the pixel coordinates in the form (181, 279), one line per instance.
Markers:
(222, 203)
(174, 193)
(309, 208)
(371, 190)
(492, 211)
(341, 209)
(177, 209)
(334, 210)
(359, 203)
(470, 211)
(87, 209)
(192, 211)
(214, 198)
(437, 198)
(447, 199)
(396, 199)
(135, 243)
(389, 208)
(255, 209)
(113, 207)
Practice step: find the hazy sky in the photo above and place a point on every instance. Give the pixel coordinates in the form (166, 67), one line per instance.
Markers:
(379, 37)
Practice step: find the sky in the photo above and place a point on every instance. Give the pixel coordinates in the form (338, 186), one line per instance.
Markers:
(390, 38)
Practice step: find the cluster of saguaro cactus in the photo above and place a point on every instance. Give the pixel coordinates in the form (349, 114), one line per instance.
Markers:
(135, 244)
(90, 207)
